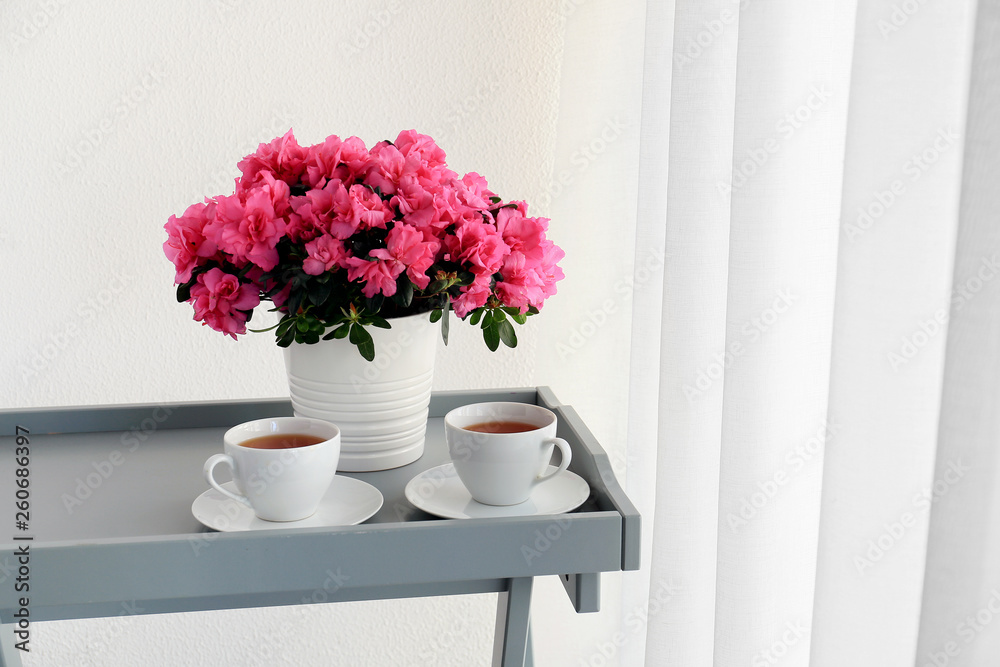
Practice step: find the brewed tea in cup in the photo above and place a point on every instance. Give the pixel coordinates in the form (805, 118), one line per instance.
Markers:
(502, 451)
(282, 466)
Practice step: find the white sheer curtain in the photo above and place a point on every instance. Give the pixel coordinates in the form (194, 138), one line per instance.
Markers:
(815, 391)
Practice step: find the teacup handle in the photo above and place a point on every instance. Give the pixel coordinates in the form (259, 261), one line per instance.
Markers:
(567, 456)
(210, 464)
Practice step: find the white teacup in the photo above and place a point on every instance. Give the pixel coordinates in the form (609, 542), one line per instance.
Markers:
(283, 483)
(502, 468)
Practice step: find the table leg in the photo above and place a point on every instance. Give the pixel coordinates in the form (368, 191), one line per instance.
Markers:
(512, 641)
(9, 656)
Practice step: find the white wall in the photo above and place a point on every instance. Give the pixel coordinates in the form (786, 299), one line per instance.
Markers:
(116, 117)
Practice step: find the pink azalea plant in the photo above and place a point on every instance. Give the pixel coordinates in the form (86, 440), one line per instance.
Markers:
(339, 237)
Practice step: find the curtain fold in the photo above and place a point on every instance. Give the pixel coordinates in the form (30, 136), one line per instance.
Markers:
(960, 615)
(899, 222)
(806, 410)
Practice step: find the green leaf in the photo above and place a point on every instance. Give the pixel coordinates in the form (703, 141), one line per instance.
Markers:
(477, 314)
(436, 315)
(436, 286)
(287, 338)
(320, 292)
(499, 315)
(294, 302)
(373, 304)
(338, 333)
(284, 325)
(491, 335)
(363, 339)
(302, 324)
(520, 318)
(377, 321)
(487, 318)
(184, 291)
(466, 278)
(404, 291)
(507, 334)
(446, 324)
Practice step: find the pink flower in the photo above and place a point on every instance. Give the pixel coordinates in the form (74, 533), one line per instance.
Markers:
(355, 158)
(410, 142)
(473, 191)
(521, 285)
(406, 247)
(221, 301)
(388, 166)
(414, 201)
(304, 222)
(321, 161)
(369, 208)
(478, 246)
(325, 253)
(283, 159)
(528, 281)
(471, 297)
(379, 276)
(549, 269)
(186, 245)
(521, 234)
(249, 232)
(326, 210)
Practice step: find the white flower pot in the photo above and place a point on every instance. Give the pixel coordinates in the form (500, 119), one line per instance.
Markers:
(380, 405)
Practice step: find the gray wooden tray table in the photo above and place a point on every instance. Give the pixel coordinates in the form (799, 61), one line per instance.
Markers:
(112, 531)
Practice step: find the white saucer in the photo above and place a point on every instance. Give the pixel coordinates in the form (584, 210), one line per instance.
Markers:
(347, 502)
(440, 492)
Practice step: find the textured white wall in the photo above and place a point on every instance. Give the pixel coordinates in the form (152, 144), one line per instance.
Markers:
(117, 116)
